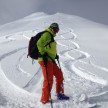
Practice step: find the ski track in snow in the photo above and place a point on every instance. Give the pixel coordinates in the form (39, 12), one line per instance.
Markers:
(84, 55)
(19, 65)
(69, 64)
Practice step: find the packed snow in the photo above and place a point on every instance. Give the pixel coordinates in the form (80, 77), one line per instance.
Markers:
(82, 48)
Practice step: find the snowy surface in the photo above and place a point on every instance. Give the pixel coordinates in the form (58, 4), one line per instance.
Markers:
(82, 47)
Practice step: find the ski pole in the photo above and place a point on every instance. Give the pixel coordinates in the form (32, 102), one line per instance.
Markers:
(48, 85)
(59, 63)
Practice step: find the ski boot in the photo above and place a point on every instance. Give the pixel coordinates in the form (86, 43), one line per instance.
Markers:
(62, 97)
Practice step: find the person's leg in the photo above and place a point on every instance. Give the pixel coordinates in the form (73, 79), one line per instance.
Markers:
(48, 78)
(59, 83)
(59, 78)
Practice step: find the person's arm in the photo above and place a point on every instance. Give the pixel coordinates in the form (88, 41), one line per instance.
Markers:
(45, 39)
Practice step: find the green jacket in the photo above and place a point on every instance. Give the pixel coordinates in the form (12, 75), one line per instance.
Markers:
(49, 49)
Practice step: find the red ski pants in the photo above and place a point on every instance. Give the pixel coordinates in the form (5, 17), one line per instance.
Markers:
(52, 70)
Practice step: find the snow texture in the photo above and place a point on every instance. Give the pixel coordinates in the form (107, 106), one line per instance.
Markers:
(82, 47)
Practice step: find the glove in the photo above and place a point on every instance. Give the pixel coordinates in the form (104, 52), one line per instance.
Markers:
(45, 59)
(57, 57)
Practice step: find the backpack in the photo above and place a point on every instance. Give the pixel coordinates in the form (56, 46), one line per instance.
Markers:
(33, 51)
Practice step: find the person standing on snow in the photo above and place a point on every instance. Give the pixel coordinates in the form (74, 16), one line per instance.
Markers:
(48, 54)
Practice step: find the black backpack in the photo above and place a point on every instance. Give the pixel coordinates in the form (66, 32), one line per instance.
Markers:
(32, 48)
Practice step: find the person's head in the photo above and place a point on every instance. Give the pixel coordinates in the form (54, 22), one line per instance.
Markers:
(54, 27)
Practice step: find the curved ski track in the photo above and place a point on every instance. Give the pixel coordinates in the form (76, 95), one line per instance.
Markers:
(68, 46)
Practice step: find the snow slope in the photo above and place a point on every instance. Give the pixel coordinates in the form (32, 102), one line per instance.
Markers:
(82, 47)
